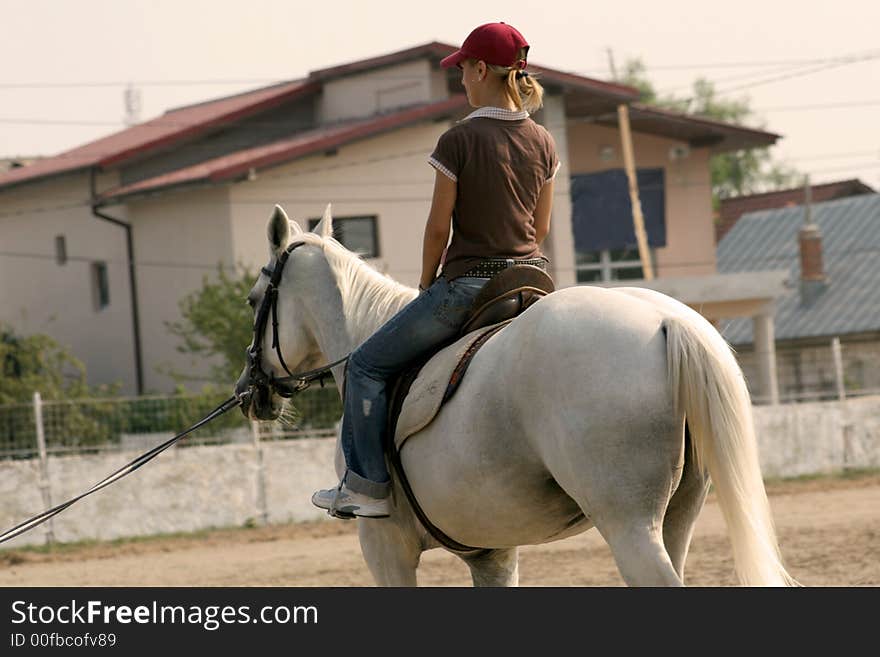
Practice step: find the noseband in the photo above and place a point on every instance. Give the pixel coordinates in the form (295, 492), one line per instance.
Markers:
(259, 379)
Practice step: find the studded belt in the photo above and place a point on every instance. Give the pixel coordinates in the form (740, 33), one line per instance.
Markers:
(488, 268)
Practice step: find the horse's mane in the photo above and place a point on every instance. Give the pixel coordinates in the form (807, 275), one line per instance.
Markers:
(369, 298)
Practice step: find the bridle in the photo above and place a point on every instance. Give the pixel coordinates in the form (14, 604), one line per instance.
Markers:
(259, 381)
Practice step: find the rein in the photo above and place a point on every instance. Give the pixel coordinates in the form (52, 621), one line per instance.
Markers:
(285, 386)
(126, 469)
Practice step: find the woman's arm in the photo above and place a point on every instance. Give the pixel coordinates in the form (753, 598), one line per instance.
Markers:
(438, 227)
(543, 210)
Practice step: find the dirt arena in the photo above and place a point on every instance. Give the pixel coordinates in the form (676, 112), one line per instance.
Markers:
(829, 531)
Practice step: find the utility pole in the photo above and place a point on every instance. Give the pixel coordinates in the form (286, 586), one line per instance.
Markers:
(638, 217)
(611, 63)
(132, 102)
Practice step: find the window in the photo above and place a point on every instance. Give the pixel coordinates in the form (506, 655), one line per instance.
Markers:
(357, 234)
(602, 223)
(609, 265)
(60, 250)
(100, 285)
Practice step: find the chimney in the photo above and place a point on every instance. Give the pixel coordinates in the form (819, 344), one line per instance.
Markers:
(813, 282)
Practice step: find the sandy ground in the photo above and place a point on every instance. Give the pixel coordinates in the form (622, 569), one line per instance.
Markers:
(829, 533)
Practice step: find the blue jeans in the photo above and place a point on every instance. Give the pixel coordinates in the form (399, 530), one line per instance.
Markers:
(433, 318)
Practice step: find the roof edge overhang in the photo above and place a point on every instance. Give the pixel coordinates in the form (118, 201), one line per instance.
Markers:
(190, 132)
(348, 133)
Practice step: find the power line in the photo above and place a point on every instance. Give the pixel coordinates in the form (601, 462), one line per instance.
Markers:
(289, 195)
(781, 259)
(158, 123)
(815, 106)
(273, 81)
(845, 61)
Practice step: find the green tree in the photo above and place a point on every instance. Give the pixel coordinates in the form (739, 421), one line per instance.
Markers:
(37, 363)
(217, 324)
(745, 171)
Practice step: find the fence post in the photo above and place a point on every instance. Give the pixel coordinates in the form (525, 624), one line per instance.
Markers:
(45, 486)
(262, 510)
(838, 368)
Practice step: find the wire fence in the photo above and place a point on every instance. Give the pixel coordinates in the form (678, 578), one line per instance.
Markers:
(82, 426)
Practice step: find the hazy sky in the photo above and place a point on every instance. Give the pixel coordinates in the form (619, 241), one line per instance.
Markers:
(64, 63)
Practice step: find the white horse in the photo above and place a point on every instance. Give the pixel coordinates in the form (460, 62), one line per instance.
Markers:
(572, 417)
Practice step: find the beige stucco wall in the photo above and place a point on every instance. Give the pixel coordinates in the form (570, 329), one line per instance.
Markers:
(387, 176)
(381, 90)
(690, 239)
(180, 238)
(37, 295)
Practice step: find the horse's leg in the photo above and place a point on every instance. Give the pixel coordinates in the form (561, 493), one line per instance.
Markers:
(684, 507)
(627, 503)
(392, 552)
(640, 554)
(493, 567)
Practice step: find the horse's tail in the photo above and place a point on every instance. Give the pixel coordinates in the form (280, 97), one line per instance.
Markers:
(709, 388)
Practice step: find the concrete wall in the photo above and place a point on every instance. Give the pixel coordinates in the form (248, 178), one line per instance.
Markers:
(690, 234)
(38, 295)
(182, 490)
(192, 488)
(818, 437)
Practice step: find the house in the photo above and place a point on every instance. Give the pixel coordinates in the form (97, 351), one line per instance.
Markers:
(734, 207)
(101, 242)
(833, 291)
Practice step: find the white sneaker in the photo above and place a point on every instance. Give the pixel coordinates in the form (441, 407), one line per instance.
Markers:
(344, 503)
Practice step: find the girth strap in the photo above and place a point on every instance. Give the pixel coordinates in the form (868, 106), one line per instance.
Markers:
(400, 390)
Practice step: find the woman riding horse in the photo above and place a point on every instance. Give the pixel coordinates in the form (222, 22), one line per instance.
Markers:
(494, 186)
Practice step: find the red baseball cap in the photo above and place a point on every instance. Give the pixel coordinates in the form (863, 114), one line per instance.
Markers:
(494, 43)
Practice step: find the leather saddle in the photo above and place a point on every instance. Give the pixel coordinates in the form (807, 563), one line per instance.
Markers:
(507, 294)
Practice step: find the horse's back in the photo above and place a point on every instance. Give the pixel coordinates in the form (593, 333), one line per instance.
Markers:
(555, 391)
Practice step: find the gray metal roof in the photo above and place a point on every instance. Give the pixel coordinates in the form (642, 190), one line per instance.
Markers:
(768, 239)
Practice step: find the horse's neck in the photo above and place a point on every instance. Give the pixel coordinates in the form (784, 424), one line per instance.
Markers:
(362, 301)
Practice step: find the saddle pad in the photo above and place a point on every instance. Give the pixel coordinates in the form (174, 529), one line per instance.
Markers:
(427, 392)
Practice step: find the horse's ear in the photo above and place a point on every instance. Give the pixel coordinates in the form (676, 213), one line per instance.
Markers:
(279, 230)
(325, 226)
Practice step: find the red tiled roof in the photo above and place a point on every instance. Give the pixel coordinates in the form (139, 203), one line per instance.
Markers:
(237, 164)
(733, 208)
(172, 126)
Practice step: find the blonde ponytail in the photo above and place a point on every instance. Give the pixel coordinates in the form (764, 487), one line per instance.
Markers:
(526, 92)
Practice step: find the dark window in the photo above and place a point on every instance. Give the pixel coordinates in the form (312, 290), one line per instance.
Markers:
(60, 250)
(100, 285)
(601, 210)
(357, 234)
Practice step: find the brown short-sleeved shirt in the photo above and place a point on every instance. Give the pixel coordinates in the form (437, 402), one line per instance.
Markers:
(501, 160)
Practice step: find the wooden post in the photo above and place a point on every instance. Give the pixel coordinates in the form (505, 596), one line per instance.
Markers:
(638, 218)
(45, 486)
(838, 368)
(262, 508)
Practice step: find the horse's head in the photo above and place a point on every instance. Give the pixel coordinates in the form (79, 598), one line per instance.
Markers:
(283, 340)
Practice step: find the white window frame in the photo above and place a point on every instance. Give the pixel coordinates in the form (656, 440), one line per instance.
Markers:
(607, 266)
